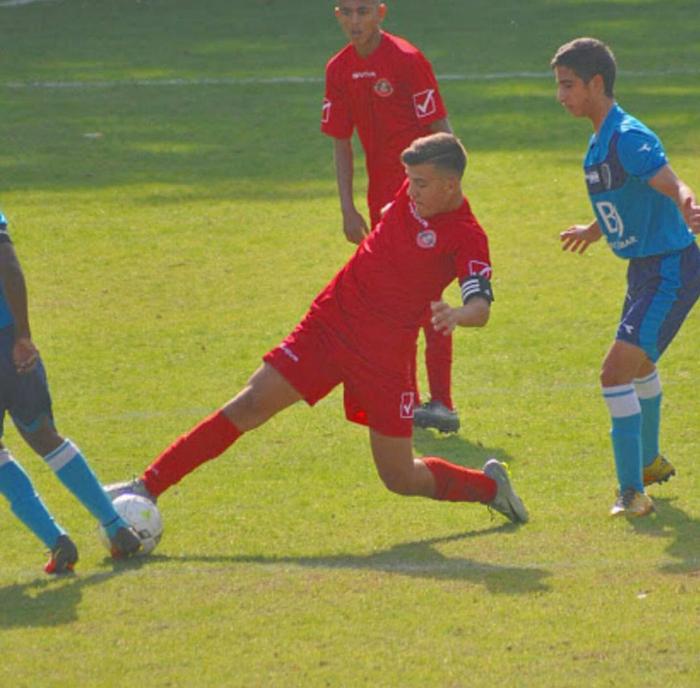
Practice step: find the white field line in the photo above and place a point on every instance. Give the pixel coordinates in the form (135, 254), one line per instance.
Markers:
(285, 80)
(18, 3)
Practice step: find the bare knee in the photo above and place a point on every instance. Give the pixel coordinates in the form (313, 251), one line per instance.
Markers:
(265, 394)
(398, 482)
(249, 408)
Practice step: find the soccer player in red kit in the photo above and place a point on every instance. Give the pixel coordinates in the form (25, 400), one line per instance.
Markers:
(385, 88)
(361, 331)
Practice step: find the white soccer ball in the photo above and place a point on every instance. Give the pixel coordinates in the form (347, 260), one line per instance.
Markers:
(143, 516)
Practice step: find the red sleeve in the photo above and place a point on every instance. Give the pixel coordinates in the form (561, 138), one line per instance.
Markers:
(336, 116)
(472, 257)
(428, 105)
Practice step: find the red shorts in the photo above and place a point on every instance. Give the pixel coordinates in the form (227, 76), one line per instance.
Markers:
(314, 360)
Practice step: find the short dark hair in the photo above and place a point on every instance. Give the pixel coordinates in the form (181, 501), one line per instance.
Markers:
(443, 150)
(587, 57)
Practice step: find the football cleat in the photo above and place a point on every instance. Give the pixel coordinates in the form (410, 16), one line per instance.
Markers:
(63, 556)
(629, 502)
(658, 471)
(435, 414)
(125, 543)
(506, 500)
(135, 487)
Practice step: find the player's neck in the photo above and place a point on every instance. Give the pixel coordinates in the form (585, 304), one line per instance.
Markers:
(364, 50)
(599, 113)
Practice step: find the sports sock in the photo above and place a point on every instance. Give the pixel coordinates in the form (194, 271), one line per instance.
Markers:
(73, 471)
(649, 392)
(438, 362)
(25, 503)
(213, 436)
(626, 434)
(458, 484)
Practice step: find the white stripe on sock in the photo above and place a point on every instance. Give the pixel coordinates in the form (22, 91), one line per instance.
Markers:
(648, 387)
(62, 455)
(622, 400)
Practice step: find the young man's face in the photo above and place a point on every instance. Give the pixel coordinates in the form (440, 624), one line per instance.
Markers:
(577, 96)
(432, 190)
(360, 21)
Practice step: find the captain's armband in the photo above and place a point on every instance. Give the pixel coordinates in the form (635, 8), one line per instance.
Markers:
(477, 285)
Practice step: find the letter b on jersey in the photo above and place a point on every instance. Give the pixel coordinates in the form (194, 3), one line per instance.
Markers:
(611, 218)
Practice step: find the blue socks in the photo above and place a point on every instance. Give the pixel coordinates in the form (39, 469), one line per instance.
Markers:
(626, 434)
(25, 502)
(74, 472)
(649, 392)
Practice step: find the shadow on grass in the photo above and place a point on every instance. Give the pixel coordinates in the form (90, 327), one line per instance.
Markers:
(682, 531)
(417, 559)
(456, 448)
(46, 602)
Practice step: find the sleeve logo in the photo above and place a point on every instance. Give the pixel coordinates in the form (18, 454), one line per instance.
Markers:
(424, 103)
(325, 111)
(479, 267)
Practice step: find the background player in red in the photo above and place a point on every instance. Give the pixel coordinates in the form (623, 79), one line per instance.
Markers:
(385, 88)
(361, 331)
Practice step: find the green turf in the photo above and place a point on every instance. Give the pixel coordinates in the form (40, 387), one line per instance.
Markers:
(173, 232)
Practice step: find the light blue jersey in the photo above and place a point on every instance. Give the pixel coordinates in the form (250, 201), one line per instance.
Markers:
(5, 315)
(636, 219)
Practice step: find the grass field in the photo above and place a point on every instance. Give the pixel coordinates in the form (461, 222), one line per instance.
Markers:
(174, 207)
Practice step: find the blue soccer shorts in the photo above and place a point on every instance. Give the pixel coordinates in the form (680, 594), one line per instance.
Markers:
(661, 291)
(25, 397)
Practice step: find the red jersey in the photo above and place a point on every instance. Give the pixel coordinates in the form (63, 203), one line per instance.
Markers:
(391, 97)
(376, 303)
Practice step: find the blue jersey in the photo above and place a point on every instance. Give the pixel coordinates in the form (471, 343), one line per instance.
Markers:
(5, 315)
(636, 219)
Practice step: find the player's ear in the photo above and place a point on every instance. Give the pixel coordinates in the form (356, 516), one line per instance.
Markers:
(382, 9)
(598, 84)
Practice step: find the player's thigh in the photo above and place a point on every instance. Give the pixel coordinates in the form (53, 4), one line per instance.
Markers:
(31, 409)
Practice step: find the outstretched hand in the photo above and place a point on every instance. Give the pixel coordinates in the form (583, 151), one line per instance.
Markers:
(24, 355)
(579, 237)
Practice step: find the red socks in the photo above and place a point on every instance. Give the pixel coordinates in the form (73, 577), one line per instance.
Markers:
(458, 484)
(213, 436)
(438, 363)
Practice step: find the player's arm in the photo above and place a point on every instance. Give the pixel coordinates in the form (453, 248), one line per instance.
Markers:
(474, 313)
(354, 224)
(666, 181)
(475, 310)
(579, 237)
(24, 353)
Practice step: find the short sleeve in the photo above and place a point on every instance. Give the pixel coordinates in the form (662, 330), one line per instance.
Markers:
(641, 153)
(336, 116)
(472, 255)
(428, 105)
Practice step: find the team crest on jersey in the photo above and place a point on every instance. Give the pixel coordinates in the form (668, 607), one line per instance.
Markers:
(383, 88)
(426, 238)
(478, 267)
(407, 404)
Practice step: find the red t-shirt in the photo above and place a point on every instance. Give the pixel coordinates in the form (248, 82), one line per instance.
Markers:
(391, 96)
(376, 303)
